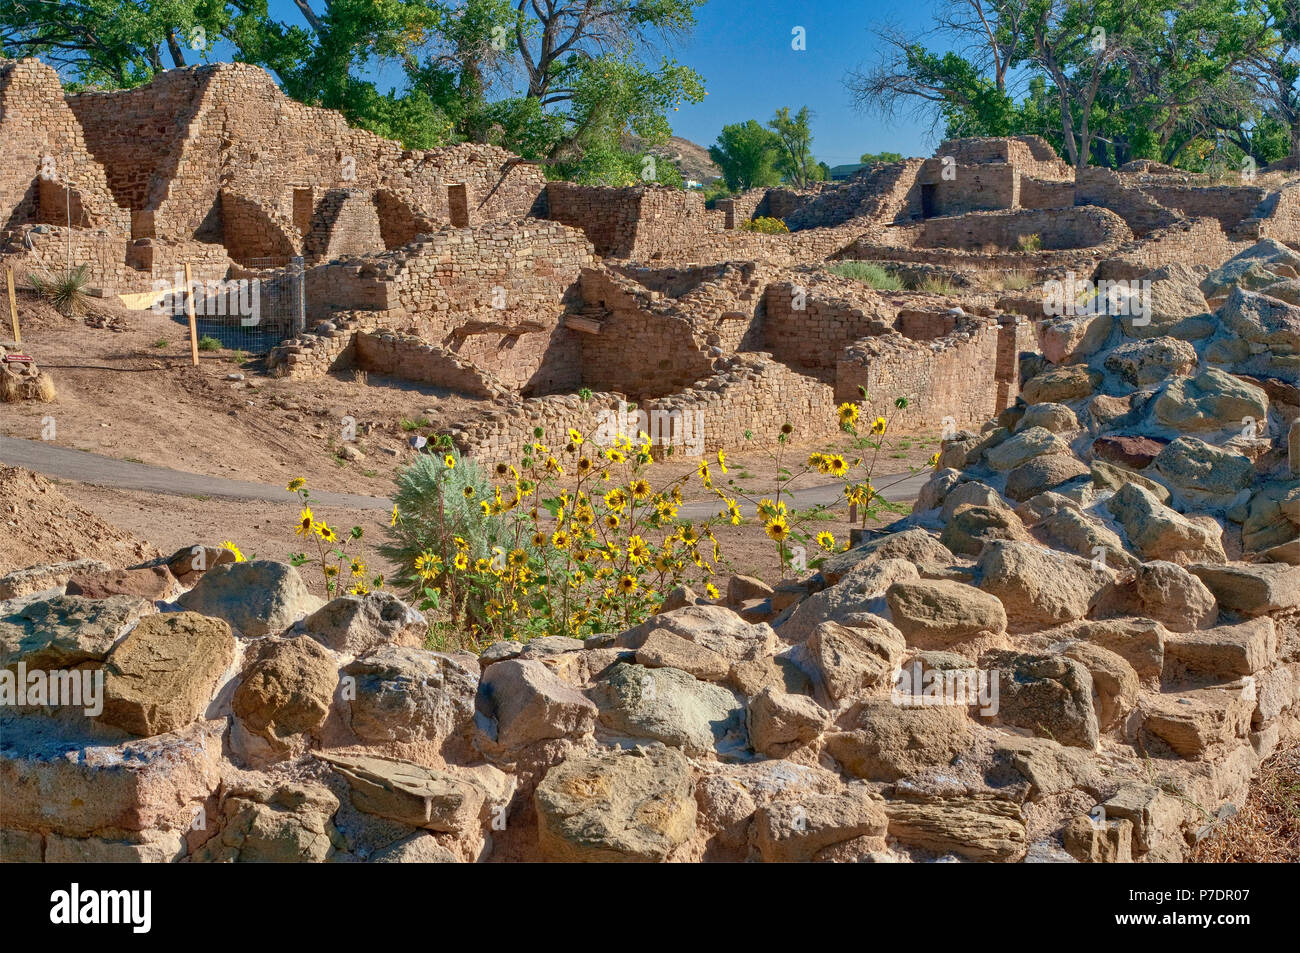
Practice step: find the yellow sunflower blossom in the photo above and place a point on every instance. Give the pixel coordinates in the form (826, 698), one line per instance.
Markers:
(777, 529)
(826, 540)
(306, 523)
(231, 547)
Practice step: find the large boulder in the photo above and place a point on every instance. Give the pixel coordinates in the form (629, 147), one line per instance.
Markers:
(1140, 363)
(1044, 473)
(1024, 446)
(1158, 532)
(979, 827)
(971, 527)
(410, 695)
(778, 721)
(521, 702)
(1075, 339)
(161, 677)
(268, 822)
(1168, 593)
(286, 690)
(716, 628)
(850, 659)
(1060, 385)
(1114, 681)
(936, 613)
(1262, 320)
(66, 631)
(1057, 418)
(355, 625)
(1202, 473)
(451, 800)
(616, 806)
(668, 705)
(147, 582)
(261, 597)
(879, 740)
(1040, 587)
(1250, 588)
(1050, 695)
(1212, 400)
(800, 830)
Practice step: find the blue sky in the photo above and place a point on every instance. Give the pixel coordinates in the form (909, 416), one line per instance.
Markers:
(742, 48)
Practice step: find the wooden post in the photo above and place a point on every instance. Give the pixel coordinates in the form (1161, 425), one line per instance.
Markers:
(189, 313)
(13, 305)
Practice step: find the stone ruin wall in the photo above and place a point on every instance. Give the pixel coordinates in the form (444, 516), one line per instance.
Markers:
(36, 122)
(956, 376)
(1196, 242)
(345, 224)
(175, 143)
(1060, 229)
(411, 358)
(113, 263)
(812, 338)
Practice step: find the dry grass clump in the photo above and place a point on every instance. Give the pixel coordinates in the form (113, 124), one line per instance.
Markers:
(1267, 829)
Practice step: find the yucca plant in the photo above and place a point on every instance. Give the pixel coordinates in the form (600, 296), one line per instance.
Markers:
(65, 289)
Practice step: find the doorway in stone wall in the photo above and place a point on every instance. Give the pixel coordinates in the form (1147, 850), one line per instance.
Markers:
(303, 208)
(929, 200)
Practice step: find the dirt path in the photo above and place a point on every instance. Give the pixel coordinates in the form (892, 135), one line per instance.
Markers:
(68, 464)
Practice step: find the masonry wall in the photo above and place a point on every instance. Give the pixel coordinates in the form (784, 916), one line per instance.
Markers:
(345, 222)
(1057, 229)
(1107, 189)
(191, 132)
(1189, 242)
(1230, 205)
(812, 338)
(884, 193)
(970, 187)
(407, 356)
(35, 122)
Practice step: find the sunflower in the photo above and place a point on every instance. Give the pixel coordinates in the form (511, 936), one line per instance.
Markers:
(712, 591)
(637, 550)
(393, 520)
(231, 547)
(575, 437)
(296, 484)
(848, 414)
(836, 466)
(449, 461)
(934, 459)
(584, 465)
(826, 540)
(358, 568)
(616, 499)
(552, 466)
(461, 562)
(722, 461)
(468, 493)
(664, 562)
(560, 539)
(482, 565)
(516, 558)
(326, 532)
(615, 456)
(627, 584)
(878, 425)
(733, 513)
(777, 529)
(611, 521)
(306, 522)
(539, 539)
(703, 471)
(640, 489)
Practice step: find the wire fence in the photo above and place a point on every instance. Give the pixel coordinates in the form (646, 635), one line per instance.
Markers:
(252, 313)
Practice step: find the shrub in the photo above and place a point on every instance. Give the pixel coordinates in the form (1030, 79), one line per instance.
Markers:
(1032, 242)
(869, 273)
(765, 225)
(935, 285)
(209, 343)
(66, 289)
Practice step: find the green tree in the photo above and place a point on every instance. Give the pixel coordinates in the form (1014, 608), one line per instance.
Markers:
(871, 158)
(747, 154)
(794, 134)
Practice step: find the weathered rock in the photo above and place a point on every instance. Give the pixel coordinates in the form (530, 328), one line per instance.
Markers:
(741, 589)
(1263, 320)
(616, 806)
(882, 741)
(1212, 400)
(1192, 722)
(422, 848)
(1168, 593)
(257, 598)
(273, 822)
(662, 649)
(1226, 652)
(1114, 681)
(1057, 418)
(1151, 361)
(1105, 842)
(151, 583)
(849, 659)
(1127, 451)
(1023, 447)
(1061, 384)
(978, 827)
(1049, 694)
(973, 527)
(1040, 587)
(1075, 339)
(1141, 642)
(410, 695)
(716, 628)
(451, 800)
(1252, 588)
(1158, 532)
(66, 631)
(355, 625)
(144, 847)
(287, 688)
(911, 545)
(523, 702)
(778, 720)
(1069, 530)
(1043, 473)
(189, 563)
(79, 786)
(796, 831)
(934, 614)
(852, 601)
(162, 675)
(1109, 476)
(1203, 473)
(667, 705)
(23, 582)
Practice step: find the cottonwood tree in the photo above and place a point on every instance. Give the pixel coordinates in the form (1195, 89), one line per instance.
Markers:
(748, 155)
(795, 137)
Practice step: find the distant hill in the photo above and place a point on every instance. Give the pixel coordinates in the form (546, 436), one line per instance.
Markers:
(692, 160)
